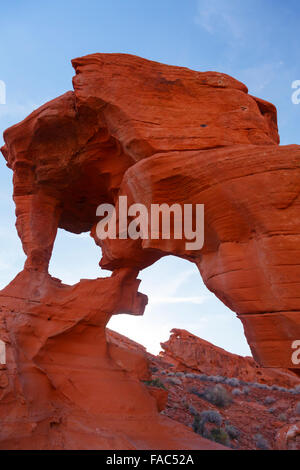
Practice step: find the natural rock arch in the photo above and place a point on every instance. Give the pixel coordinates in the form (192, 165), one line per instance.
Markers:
(155, 133)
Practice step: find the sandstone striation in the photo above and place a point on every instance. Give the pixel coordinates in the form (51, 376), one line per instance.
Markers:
(189, 353)
(155, 133)
(288, 437)
(262, 405)
(64, 386)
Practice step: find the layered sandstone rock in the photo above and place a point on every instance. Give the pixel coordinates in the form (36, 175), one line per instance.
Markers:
(128, 355)
(188, 352)
(181, 136)
(156, 134)
(250, 258)
(64, 386)
(288, 437)
(262, 406)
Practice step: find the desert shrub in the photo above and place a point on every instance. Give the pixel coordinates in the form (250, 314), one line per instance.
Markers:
(243, 383)
(203, 377)
(237, 392)
(155, 383)
(189, 375)
(217, 379)
(219, 435)
(232, 431)
(251, 384)
(283, 389)
(154, 369)
(271, 410)
(216, 434)
(171, 374)
(297, 409)
(179, 374)
(174, 381)
(211, 378)
(211, 416)
(280, 389)
(217, 395)
(196, 392)
(232, 381)
(163, 372)
(198, 426)
(184, 403)
(246, 390)
(261, 443)
(221, 379)
(282, 417)
(275, 387)
(269, 400)
(261, 386)
(204, 417)
(193, 410)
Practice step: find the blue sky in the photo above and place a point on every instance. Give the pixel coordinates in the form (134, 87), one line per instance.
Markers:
(256, 41)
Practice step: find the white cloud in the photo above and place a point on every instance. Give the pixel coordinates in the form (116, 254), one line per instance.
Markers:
(178, 300)
(151, 330)
(75, 236)
(17, 109)
(167, 285)
(171, 286)
(260, 76)
(216, 15)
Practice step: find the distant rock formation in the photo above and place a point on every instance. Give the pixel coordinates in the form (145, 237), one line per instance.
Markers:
(188, 352)
(263, 405)
(156, 134)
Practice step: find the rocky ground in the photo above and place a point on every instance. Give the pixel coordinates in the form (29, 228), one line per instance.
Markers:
(260, 413)
(250, 414)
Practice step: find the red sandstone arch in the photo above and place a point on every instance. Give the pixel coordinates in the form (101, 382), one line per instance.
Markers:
(155, 133)
(187, 137)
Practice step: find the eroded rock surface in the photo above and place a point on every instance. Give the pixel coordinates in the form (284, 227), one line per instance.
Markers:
(189, 353)
(256, 407)
(64, 386)
(156, 134)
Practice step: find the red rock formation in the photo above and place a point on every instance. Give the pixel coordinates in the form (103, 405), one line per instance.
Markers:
(288, 437)
(128, 355)
(75, 152)
(263, 403)
(250, 258)
(157, 134)
(188, 352)
(63, 387)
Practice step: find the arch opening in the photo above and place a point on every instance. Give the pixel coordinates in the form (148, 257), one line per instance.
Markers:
(178, 298)
(75, 257)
